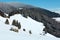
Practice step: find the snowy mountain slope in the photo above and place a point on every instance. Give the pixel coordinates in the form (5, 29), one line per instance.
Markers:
(26, 23)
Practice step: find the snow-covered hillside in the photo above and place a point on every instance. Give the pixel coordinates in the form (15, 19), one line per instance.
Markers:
(27, 24)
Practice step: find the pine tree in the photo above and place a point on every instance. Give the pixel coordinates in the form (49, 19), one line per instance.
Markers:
(16, 23)
(19, 25)
(11, 29)
(13, 23)
(6, 22)
(24, 30)
(30, 32)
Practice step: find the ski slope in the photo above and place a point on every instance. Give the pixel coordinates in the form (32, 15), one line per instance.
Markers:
(26, 23)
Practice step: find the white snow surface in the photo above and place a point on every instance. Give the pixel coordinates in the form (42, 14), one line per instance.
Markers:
(26, 23)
